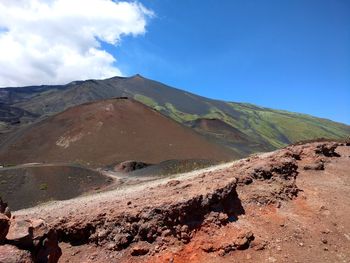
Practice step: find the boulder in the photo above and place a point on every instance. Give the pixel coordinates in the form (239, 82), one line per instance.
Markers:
(20, 233)
(39, 230)
(11, 254)
(315, 166)
(140, 249)
(243, 240)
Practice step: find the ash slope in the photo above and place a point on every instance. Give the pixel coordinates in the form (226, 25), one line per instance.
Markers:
(30, 185)
(266, 129)
(108, 131)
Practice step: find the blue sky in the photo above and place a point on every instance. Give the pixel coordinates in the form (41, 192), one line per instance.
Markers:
(292, 54)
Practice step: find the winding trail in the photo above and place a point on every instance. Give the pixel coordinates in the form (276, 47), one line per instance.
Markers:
(125, 189)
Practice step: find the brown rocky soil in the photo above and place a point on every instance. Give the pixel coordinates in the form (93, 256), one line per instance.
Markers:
(291, 205)
(101, 133)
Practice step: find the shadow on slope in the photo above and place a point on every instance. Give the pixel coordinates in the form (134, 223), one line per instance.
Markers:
(25, 187)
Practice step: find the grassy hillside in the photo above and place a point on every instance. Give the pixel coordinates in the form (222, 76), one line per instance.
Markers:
(268, 128)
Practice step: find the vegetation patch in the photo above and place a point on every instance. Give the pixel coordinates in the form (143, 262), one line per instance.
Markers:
(148, 101)
(43, 186)
(179, 115)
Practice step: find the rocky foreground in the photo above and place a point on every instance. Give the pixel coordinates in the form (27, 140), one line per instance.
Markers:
(291, 205)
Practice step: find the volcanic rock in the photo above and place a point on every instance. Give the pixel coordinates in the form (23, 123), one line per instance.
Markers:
(129, 166)
(240, 242)
(327, 150)
(11, 254)
(314, 166)
(21, 233)
(48, 250)
(243, 240)
(4, 209)
(140, 249)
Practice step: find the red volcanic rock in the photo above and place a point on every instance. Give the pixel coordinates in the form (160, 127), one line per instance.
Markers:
(11, 254)
(278, 166)
(172, 183)
(4, 227)
(34, 236)
(216, 218)
(236, 242)
(140, 249)
(40, 229)
(315, 166)
(243, 240)
(20, 233)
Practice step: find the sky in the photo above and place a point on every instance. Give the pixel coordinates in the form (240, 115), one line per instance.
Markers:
(292, 54)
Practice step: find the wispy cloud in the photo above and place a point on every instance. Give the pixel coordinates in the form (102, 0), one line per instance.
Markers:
(58, 41)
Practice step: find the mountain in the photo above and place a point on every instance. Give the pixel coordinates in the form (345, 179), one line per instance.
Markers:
(263, 129)
(224, 134)
(108, 131)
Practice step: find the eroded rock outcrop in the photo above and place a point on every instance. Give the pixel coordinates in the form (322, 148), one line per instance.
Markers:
(327, 150)
(177, 220)
(26, 240)
(180, 211)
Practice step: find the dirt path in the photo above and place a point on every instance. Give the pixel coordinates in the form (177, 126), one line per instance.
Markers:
(120, 191)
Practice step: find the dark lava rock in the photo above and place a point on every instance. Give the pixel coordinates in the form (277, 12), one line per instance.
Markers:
(4, 209)
(327, 150)
(129, 166)
(49, 251)
(4, 227)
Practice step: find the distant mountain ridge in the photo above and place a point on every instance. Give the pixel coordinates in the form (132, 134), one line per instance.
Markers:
(264, 129)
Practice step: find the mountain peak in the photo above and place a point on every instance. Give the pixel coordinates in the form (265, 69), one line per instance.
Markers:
(137, 76)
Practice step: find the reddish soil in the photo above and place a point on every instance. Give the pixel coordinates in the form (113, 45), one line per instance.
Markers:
(106, 132)
(276, 207)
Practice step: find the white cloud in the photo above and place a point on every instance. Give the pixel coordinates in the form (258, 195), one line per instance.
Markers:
(57, 41)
